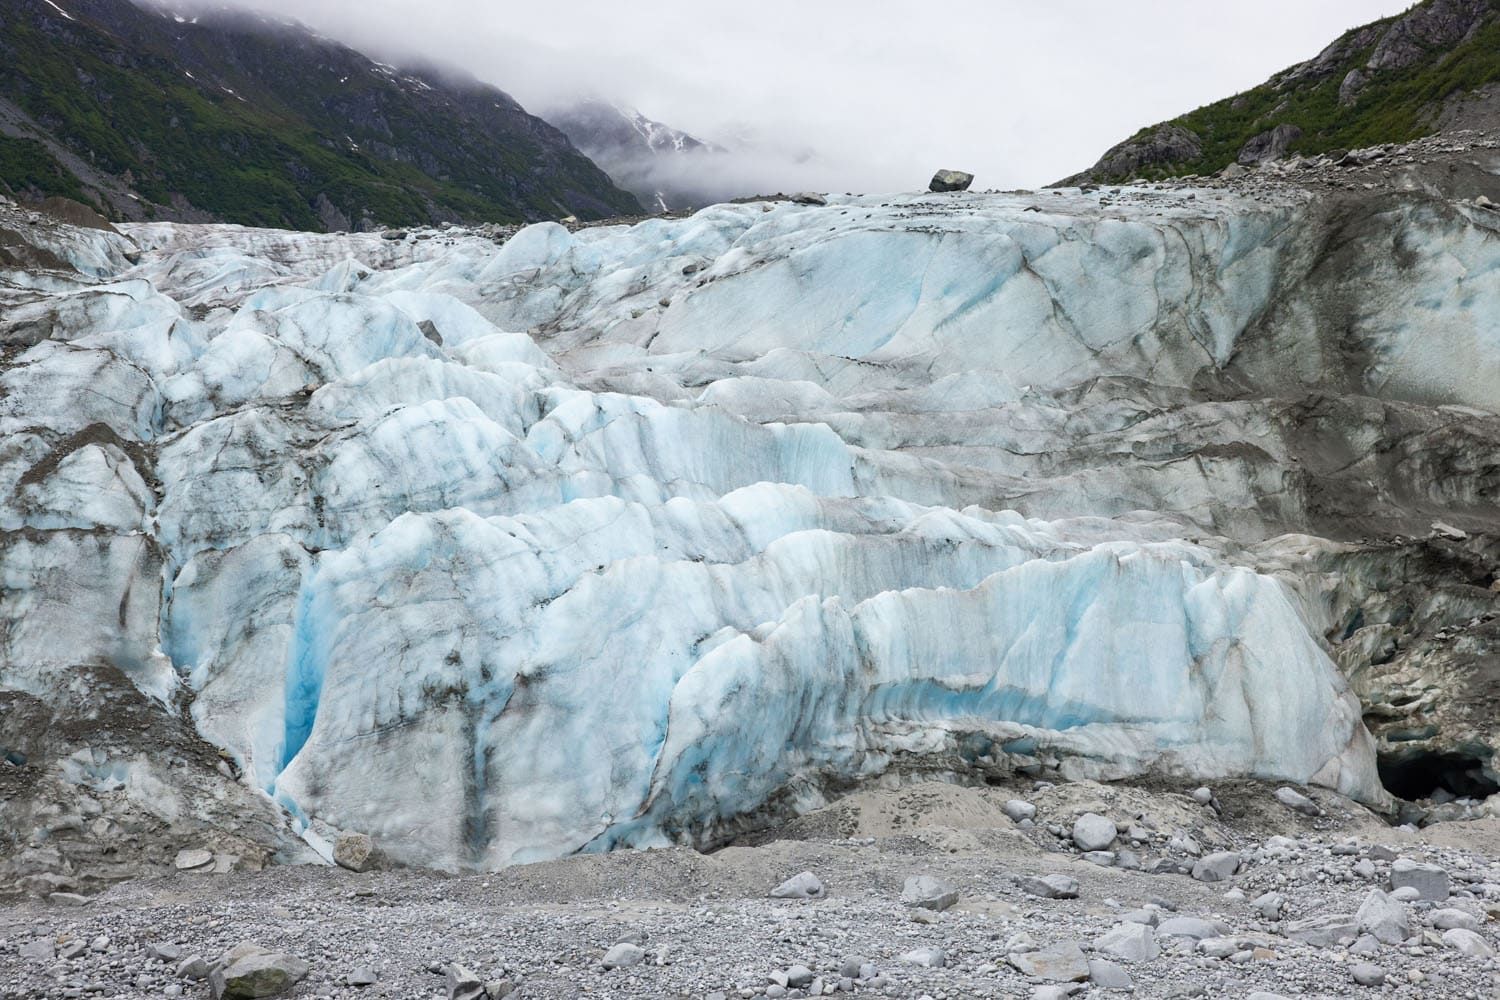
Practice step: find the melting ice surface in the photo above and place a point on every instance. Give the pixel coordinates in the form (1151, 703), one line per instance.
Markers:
(625, 536)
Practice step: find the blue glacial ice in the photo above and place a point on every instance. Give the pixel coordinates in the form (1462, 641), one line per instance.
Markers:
(641, 535)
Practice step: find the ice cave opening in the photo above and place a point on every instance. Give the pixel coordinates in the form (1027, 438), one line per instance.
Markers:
(1423, 774)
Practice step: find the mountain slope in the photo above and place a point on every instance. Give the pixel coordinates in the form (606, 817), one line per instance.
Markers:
(239, 118)
(1390, 81)
(665, 167)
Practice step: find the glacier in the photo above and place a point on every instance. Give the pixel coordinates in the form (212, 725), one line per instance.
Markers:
(627, 536)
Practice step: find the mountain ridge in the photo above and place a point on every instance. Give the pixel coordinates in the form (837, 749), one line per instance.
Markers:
(1392, 80)
(665, 167)
(227, 116)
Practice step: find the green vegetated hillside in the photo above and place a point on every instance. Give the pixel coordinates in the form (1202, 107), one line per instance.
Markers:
(230, 116)
(1389, 81)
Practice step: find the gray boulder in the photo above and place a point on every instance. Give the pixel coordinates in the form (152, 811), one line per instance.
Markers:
(1049, 886)
(193, 859)
(929, 893)
(1366, 974)
(1430, 881)
(1466, 942)
(1189, 927)
(1109, 976)
(463, 984)
(1323, 932)
(1216, 867)
(1129, 942)
(264, 974)
(950, 180)
(1297, 802)
(804, 885)
(1063, 962)
(1018, 809)
(1092, 832)
(1448, 918)
(1384, 918)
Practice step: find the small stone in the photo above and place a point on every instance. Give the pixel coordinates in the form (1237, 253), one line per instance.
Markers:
(927, 958)
(624, 955)
(365, 977)
(193, 967)
(164, 952)
(928, 892)
(798, 976)
(1092, 832)
(1203, 796)
(40, 950)
(804, 885)
(193, 859)
(357, 852)
(852, 967)
(1297, 802)
(1366, 974)
(1218, 947)
(72, 950)
(1269, 906)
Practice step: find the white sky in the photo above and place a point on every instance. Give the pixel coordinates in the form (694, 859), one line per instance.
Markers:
(1019, 92)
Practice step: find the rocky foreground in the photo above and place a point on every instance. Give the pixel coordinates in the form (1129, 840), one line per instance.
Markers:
(926, 891)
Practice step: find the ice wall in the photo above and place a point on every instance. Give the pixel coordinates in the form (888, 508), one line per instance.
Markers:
(615, 537)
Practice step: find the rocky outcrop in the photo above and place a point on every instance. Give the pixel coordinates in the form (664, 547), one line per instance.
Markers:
(1431, 27)
(1162, 147)
(1405, 75)
(1269, 145)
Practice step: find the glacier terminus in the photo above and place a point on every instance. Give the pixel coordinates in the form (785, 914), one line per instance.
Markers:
(626, 536)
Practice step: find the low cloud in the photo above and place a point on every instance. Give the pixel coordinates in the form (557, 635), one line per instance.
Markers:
(863, 95)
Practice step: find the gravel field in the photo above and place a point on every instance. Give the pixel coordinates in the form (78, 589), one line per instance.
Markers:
(704, 925)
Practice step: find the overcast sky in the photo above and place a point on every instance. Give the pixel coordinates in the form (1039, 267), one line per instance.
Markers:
(1019, 92)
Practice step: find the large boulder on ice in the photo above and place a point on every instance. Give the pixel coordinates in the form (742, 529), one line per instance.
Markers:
(950, 180)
